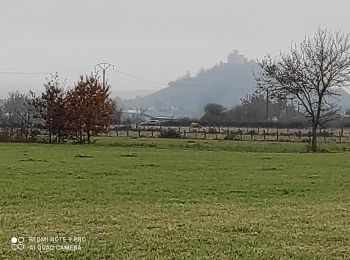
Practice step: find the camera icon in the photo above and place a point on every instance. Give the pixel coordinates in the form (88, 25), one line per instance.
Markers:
(17, 243)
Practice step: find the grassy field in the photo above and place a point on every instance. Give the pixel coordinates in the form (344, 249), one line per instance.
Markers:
(177, 199)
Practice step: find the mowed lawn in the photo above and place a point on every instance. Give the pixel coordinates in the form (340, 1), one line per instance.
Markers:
(175, 203)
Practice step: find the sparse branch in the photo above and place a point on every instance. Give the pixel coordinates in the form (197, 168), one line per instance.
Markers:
(312, 72)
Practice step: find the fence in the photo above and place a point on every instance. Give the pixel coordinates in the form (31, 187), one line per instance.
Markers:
(207, 133)
(233, 133)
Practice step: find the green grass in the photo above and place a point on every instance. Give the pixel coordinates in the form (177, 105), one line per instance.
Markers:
(238, 146)
(174, 199)
(200, 144)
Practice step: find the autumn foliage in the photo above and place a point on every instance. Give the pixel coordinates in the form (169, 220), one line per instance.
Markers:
(51, 108)
(89, 110)
(81, 112)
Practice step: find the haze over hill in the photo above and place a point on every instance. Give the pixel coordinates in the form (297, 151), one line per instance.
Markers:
(226, 83)
(132, 94)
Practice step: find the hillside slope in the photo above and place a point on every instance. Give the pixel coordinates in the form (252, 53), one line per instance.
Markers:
(225, 84)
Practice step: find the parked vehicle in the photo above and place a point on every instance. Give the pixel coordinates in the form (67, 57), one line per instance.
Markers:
(150, 123)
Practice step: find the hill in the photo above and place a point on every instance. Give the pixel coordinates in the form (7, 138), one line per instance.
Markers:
(344, 100)
(225, 84)
(132, 94)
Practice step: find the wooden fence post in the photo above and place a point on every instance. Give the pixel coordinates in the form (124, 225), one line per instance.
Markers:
(264, 133)
(309, 136)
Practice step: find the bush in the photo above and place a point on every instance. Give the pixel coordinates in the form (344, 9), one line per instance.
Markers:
(213, 130)
(170, 133)
(231, 135)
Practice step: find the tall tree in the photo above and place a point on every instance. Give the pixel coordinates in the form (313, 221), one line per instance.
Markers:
(214, 114)
(89, 108)
(312, 72)
(51, 107)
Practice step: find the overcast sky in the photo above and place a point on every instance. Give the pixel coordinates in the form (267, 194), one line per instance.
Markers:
(155, 39)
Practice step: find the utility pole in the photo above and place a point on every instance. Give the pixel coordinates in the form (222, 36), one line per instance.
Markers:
(104, 66)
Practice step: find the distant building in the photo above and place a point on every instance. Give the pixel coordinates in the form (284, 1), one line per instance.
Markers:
(236, 58)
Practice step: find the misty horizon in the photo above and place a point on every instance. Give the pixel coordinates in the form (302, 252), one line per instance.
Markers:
(158, 42)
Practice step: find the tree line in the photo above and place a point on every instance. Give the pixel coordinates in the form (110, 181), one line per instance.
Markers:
(76, 113)
(254, 109)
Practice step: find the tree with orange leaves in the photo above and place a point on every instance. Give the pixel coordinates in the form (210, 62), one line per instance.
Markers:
(89, 109)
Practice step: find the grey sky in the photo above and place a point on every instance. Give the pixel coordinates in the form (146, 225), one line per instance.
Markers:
(154, 39)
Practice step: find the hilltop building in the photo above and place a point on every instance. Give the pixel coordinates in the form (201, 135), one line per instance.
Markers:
(236, 58)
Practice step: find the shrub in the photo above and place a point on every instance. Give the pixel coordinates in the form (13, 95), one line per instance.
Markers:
(170, 133)
(231, 135)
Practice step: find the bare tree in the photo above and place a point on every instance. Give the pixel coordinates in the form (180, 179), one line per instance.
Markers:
(312, 72)
(18, 112)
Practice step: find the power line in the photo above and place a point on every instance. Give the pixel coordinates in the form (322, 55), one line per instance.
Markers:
(141, 78)
(44, 69)
(23, 73)
(102, 66)
(37, 72)
(135, 81)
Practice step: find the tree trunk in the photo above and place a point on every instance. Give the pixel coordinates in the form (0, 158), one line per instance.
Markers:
(88, 136)
(81, 136)
(59, 136)
(50, 136)
(314, 138)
